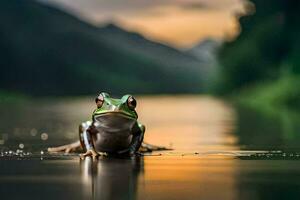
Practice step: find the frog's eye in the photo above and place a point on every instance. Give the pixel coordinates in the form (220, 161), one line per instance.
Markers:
(99, 100)
(131, 102)
(104, 94)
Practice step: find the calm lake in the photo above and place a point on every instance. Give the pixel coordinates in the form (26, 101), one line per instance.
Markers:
(221, 151)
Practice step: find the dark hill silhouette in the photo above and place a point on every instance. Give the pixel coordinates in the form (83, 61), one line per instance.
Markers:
(45, 51)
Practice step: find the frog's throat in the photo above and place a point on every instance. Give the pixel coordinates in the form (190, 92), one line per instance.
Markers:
(117, 113)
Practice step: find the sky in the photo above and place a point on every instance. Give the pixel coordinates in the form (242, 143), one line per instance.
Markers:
(178, 23)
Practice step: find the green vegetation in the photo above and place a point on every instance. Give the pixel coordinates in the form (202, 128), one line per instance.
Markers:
(263, 63)
(45, 51)
(283, 93)
(6, 96)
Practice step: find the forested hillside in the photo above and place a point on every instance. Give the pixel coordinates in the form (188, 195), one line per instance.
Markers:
(45, 51)
(264, 59)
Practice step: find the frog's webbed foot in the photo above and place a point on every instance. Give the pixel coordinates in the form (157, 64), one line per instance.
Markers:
(65, 148)
(94, 154)
(146, 147)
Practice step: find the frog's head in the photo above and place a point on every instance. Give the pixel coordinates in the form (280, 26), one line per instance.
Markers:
(124, 106)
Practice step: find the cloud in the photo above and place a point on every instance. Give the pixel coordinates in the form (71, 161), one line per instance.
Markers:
(195, 6)
(177, 22)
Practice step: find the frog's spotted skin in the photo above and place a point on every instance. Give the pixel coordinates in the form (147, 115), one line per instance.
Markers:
(114, 128)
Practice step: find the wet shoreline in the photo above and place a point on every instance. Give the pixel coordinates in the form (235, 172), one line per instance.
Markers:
(214, 176)
(220, 152)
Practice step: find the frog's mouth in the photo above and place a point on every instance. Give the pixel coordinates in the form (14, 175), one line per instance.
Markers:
(114, 121)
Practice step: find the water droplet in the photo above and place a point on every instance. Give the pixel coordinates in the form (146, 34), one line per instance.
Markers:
(33, 132)
(44, 136)
(21, 146)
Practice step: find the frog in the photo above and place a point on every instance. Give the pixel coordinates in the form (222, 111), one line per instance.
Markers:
(113, 130)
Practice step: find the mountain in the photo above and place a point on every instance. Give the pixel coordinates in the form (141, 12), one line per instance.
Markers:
(137, 44)
(205, 51)
(45, 51)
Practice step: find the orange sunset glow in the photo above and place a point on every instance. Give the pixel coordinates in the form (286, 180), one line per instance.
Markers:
(178, 23)
(183, 28)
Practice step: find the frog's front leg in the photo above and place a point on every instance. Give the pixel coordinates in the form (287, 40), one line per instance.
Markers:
(86, 131)
(137, 139)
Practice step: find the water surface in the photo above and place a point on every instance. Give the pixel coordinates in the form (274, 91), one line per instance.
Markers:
(220, 152)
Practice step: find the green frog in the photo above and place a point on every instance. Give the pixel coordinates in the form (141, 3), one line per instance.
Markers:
(114, 129)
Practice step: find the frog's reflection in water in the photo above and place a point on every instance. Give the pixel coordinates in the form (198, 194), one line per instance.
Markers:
(111, 178)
